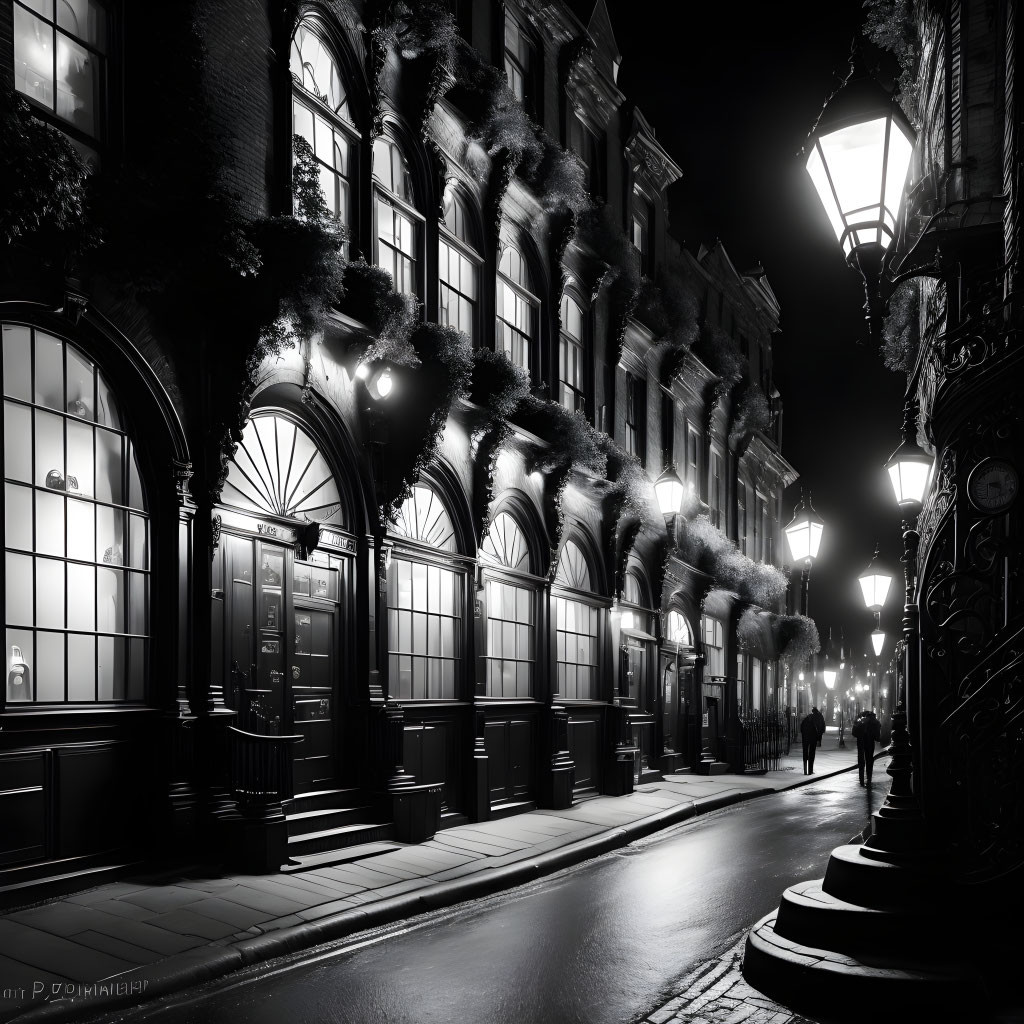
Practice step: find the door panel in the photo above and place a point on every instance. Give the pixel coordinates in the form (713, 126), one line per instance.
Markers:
(584, 747)
(312, 669)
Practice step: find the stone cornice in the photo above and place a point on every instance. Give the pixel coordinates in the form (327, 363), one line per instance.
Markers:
(647, 158)
(589, 91)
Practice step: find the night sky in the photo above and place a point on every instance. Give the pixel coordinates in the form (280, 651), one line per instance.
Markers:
(732, 91)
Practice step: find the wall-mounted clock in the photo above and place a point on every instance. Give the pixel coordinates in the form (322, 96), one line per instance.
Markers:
(992, 486)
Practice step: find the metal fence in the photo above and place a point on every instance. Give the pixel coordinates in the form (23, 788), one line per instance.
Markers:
(764, 738)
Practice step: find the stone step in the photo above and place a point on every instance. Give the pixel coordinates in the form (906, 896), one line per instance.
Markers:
(809, 978)
(338, 838)
(712, 768)
(325, 818)
(874, 878)
(346, 855)
(322, 798)
(811, 917)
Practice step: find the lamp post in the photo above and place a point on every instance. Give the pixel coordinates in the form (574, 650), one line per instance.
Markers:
(804, 534)
(858, 157)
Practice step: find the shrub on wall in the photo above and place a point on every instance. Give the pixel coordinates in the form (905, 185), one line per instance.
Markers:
(706, 548)
(752, 413)
(43, 182)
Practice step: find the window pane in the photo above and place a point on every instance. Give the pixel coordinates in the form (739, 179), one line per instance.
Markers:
(20, 666)
(50, 451)
(18, 517)
(50, 666)
(49, 371)
(136, 669)
(81, 596)
(49, 593)
(110, 599)
(80, 397)
(106, 407)
(18, 590)
(49, 523)
(78, 85)
(110, 535)
(84, 19)
(80, 476)
(33, 57)
(111, 667)
(109, 467)
(17, 362)
(17, 454)
(139, 547)
(81, 668)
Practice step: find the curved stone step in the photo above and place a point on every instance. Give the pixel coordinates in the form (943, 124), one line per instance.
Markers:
(812, 917)
(875, 879)
(809, 978)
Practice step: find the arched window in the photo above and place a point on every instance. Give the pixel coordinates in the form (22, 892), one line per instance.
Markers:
(425, 603)
(277, 469)
(397, 238)
(511, 611)
(76, 531)
(576, 628)
(322, 116)
(518, 309)
(458, 268)
(572, 357)
(677, 630)
(60, 60)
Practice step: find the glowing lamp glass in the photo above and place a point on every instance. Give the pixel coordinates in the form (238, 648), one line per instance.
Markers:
(878, 641)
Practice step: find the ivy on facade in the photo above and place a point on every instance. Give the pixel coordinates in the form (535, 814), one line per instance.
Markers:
(706, 548)
(901, 329)
(892, 27)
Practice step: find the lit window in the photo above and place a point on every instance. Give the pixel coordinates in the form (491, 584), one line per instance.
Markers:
(510, 612)
(425, 605)
(76, 530)
(457, 270)
(321, 115)
(397, 221)
(571, 358)
(517, 309)
(714, 646)
(677, 630)
(59, 59)
(576, 629)
(518, 61)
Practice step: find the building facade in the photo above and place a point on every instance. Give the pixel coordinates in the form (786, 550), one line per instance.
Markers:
(275, 588)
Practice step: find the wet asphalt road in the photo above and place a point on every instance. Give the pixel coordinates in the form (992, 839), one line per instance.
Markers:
(597, 944)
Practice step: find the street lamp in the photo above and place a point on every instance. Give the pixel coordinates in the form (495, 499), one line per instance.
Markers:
(858, 156)
(804, 535)
(668, 491)
(878, 641)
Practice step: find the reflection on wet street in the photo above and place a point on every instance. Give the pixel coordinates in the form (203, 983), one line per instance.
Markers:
(594, 944)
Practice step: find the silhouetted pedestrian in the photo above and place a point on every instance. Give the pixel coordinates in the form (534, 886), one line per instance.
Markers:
(809, 735)
(819, 718)
(867, 731)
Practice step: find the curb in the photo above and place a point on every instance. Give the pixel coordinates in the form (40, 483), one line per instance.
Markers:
(206, 963)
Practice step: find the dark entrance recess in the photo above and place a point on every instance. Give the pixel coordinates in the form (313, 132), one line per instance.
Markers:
(585, 751)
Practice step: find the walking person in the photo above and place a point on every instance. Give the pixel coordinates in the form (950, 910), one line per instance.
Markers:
(867, 730)
(809, 735)
(819, 718)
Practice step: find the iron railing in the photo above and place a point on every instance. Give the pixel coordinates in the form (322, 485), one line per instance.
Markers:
(261, 769)
(764, 739)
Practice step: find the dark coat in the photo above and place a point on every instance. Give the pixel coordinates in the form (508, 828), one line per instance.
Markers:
(819, 719)
(809, 729)
(867, 730)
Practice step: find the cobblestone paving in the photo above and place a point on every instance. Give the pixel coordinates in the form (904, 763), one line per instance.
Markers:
(715, 993)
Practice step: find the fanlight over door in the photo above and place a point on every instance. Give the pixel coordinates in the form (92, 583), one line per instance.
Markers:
(279, 471)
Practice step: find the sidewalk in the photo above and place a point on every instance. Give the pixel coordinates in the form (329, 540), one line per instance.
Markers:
(129, 941)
